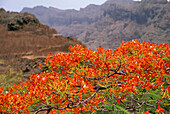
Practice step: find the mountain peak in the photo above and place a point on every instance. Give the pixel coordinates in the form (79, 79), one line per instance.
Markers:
(121, 1)
(155, 1)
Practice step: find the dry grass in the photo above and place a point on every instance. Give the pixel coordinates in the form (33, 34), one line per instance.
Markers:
(34, 41)
(9, 78)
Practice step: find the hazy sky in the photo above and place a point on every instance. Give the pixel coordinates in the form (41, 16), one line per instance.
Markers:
(17, 5)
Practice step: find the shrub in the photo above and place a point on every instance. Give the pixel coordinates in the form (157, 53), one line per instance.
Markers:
(134, 78)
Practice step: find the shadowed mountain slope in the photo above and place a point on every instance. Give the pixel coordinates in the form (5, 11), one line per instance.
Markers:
(111, 22)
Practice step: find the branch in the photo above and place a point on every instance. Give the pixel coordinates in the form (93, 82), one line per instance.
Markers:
(140, 108)
(119, 99)
(48, 108)
(101, 77)
(105, 110)
(166, 69)
(68, 106)
(102, 87)
(144, 102)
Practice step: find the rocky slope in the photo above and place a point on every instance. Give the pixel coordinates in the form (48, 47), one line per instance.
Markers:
(25, 42)
(111, 22)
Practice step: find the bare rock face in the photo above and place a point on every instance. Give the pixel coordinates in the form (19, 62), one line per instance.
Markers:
(155, 1)
(107, 24)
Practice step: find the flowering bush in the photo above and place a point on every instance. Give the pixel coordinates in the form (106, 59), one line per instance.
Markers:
(134, 78)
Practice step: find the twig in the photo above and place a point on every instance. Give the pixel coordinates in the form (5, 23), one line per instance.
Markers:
(48, 108)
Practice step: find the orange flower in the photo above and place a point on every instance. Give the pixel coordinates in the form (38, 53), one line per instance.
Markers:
(40, 65)
(147, 112)
(158, 109)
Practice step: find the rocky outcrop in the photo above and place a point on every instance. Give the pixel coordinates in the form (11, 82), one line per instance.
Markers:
(19, 21)
(16, 21)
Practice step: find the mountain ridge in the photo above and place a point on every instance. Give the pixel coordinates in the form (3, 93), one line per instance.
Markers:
(111, 22)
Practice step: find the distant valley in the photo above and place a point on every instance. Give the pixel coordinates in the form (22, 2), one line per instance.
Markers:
(110, 23)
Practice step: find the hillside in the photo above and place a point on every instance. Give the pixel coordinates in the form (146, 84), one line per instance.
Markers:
(25, 42)
(111, 22)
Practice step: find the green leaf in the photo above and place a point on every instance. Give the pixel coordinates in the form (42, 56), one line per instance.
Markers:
(108, 107)
(81, 70)
(166, 76)
(166, 58)
(141, 56)
(153, 95)
(113, 60)
(127, 112)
